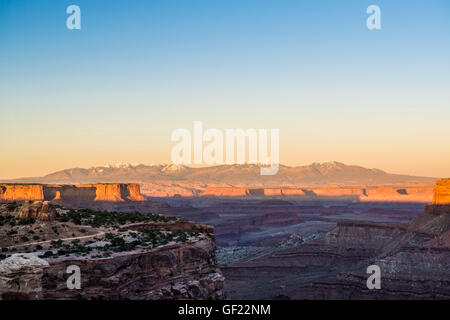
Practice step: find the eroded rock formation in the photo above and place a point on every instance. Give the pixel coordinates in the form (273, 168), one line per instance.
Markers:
(67, 194)
(421, 193)
(21, 192)
(41, 211)
(21, 277)
(172, 267)
(441, 194)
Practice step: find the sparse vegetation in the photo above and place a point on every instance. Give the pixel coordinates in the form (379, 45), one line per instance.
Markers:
(108, 219)
(118, 239)
(116, 242)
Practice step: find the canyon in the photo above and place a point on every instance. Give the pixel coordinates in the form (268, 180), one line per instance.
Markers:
(414, 259)
(131, 192)
(289, 242)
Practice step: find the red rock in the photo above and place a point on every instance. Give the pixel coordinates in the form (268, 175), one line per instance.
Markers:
(441, 194)
(21, 192)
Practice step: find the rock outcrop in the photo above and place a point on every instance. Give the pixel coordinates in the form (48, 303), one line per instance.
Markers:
(441, 194)
(41, 211)
(72, 194)
(21, 192)
(152, 259)
(21, 277)
(178, 271)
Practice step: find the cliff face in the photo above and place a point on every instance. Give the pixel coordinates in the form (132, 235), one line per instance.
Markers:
(179, 271)
(21, 277)
(21, 192)
(328, 193)
(441, 194)
(225, 192)
(72, 194)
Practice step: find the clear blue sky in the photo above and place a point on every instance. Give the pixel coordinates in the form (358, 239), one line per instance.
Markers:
(114, 90)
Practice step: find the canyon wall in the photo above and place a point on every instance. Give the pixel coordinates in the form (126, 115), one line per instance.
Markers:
(330, 193)
(441, 194)
(179, 271)
(21, 192)
(416, 193)
(73, 194)
(185, 270)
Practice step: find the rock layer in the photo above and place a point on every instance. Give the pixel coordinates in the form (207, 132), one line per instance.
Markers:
(179, 271)
(329, 193)
(21, 277)
(84, 193)
(184, 269)
(441, 194)
(21, 192)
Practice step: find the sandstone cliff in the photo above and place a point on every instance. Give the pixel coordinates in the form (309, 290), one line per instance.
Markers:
(418, 193)
(21, 192)
(39, 211)
(72, 194)
(441, 194)
(179, 271)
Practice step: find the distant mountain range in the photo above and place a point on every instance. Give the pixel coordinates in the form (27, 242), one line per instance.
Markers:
(316, 174)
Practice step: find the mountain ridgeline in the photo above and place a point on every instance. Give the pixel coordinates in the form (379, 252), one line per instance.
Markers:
(316, 174)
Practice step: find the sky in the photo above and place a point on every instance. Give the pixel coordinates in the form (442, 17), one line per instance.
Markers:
(116, 89)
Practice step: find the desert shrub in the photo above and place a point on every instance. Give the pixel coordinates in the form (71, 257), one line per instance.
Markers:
(47, 254)
(56, 244)
(12, 206)
(11, 232)
(104, 218)
(26, 222)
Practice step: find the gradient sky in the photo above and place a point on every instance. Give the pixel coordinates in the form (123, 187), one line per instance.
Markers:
(116, 89)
